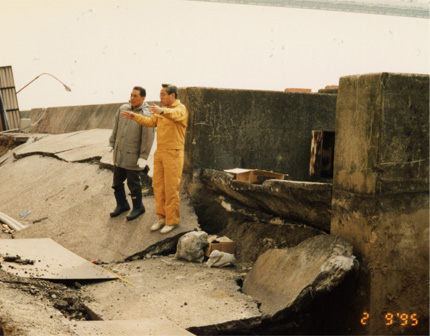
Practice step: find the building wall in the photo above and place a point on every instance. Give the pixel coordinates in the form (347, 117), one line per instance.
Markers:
(9, 110)
(254, 129)
(380, 198)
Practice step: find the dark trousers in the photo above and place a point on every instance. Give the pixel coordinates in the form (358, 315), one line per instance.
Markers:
(133, 180)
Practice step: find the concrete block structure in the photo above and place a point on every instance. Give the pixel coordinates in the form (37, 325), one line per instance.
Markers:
(380, 199)
(267, 130)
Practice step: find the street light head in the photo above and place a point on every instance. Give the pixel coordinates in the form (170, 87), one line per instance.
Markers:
(67, 88)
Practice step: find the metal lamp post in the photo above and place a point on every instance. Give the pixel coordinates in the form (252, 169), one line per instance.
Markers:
(45, 73)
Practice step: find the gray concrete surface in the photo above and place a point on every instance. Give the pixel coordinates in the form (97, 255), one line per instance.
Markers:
(45, 259)
(57, 187)
(192, 295)
(70, 202)
(70, 147)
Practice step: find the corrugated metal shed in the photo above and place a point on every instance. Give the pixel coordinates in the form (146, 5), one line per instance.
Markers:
(9, 110)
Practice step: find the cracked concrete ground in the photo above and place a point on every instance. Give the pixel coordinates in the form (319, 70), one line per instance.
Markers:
(70, 197)
(57, 187)
(192, 295)
(60, 188)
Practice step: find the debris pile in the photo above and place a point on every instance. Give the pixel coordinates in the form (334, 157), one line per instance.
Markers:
(17, 259)
(190, 246)
(6, 229)
(197, 245)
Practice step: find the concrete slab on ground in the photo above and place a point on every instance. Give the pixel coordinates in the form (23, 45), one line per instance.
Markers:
(49, 260)
(191, 295)
(77, 146)
(71, 147)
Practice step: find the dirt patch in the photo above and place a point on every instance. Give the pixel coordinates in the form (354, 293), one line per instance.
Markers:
(38, 307)
(6, 143)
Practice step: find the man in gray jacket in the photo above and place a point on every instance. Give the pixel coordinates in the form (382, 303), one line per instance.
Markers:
(131, 145)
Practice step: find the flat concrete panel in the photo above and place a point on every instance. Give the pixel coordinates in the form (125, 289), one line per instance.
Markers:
(204, 300)
(51, 261)
(71, 147)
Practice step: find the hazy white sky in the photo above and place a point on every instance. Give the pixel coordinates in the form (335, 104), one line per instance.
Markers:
(102, 48)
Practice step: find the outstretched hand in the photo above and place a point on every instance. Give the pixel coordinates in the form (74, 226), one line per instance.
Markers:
(127, 114)
(155, 109)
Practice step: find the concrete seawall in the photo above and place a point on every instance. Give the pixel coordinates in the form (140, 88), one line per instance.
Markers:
(66, 119)
(268, 130)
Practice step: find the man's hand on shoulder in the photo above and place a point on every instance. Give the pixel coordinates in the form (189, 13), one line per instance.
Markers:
(109, 148)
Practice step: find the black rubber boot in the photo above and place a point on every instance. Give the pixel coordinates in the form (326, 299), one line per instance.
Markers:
(138, 207)
(121, 202)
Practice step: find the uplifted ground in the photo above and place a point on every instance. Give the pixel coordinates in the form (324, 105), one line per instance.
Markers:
(57, 187)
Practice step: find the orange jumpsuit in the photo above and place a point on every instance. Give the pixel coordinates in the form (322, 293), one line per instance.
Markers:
(168, 158)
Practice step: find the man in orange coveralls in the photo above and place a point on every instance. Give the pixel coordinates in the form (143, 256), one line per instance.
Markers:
(171, 121)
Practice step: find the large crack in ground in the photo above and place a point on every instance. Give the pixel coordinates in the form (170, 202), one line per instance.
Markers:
(63, 297)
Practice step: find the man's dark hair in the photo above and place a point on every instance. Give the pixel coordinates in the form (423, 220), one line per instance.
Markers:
(141, 90)
(171, 89)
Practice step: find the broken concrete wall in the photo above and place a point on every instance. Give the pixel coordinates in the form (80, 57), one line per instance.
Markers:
(276, 214)
(300, 202)
(380, 199)
(263, 130)
(254, 129)
(285, 281)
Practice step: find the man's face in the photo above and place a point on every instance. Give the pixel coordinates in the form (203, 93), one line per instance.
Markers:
(165, 98)
(136, 99)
